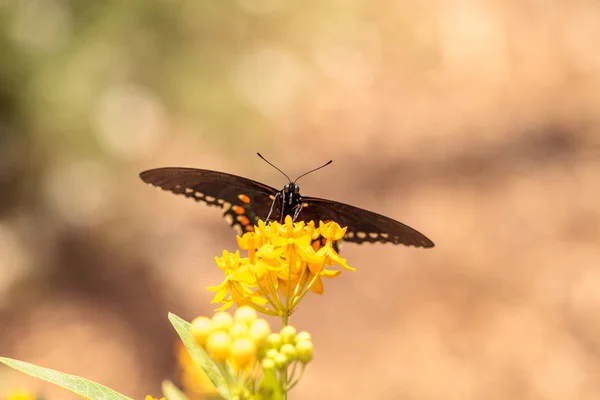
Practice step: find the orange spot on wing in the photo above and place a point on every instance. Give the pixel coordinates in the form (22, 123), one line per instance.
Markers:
(244, 198)
(250, 228)
(242, 219)
(238, 210)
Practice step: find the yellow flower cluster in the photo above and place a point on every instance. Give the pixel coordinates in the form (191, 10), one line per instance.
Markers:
(246, 343)
(235, 339)
(284, 262)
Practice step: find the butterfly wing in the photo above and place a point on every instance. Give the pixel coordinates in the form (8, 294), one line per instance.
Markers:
(243, 200)
(363, 225)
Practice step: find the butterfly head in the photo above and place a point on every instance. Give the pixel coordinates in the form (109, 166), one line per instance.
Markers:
(291, 201)
(291, 188)
(291, 193)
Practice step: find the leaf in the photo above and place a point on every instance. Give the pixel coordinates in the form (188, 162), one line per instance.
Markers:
(75, 384)
(172, 392)
(201, 358)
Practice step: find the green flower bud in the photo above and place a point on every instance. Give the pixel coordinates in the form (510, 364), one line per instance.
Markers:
(274, 341)
(259, 331)
(268, 364)
(271, 354)
(304, 351)
(281, 361)
(288, 334)
(288, 350)
(303, 336)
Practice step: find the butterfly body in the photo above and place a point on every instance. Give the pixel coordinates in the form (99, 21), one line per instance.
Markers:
(245, 201)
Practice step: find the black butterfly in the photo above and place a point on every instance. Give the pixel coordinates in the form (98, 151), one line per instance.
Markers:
(244, 201)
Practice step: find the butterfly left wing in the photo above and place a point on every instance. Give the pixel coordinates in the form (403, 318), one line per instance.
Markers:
(243, 200)
(363, 225)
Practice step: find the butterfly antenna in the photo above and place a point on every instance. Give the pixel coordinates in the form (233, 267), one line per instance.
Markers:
(313, 170)
(272, 165)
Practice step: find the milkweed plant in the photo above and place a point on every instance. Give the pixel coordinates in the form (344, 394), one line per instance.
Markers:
(238, 356)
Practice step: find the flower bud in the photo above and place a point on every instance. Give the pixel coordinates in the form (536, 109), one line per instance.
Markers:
(238, 330)
(217, 345)
(222, 321)
(274, 341)
(268, 364)
(259, 330)
(271, 354)
(281, 361)
(304, 351)
(303, 336)
(288, 350)
(200, 328)
(288, 334)
(243, 352)
(245, 315)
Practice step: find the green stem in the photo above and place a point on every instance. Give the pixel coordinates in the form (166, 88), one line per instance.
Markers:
(284, 320)
(284, 375)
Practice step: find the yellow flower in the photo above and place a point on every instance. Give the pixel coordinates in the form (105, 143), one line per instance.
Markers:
(284, 262)
(148, 397)
(20, 394)
(331, 231)
(239, 283)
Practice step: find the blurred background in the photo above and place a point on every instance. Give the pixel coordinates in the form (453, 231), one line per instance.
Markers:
(475, 122)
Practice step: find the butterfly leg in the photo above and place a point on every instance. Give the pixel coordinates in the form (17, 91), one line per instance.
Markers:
(272, 205)
(283, 208)
(297, 212)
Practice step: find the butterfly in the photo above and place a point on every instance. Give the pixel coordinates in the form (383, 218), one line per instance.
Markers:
(245, 201)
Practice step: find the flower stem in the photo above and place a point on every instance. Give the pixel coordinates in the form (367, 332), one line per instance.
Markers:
(284, 375)
(284, 320)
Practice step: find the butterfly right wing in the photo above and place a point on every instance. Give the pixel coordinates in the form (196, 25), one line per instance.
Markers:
(363, 225)
(243, 200)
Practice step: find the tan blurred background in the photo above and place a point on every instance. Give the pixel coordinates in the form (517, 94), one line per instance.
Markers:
(476, 122)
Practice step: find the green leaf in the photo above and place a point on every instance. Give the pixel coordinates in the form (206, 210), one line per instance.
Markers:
(201, 358)
(172, 392)
(75, 384)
